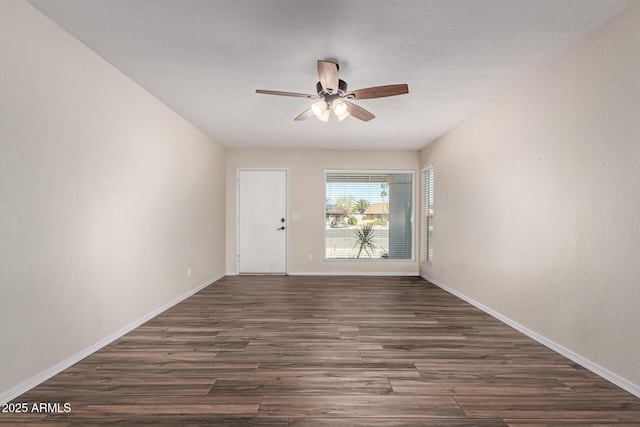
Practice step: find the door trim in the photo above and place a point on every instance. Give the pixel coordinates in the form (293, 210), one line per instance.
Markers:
(286, 196)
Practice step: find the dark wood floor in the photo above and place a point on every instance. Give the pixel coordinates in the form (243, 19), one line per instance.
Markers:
(327, 351)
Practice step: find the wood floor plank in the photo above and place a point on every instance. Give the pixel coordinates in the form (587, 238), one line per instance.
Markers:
(558, 407)
(554, 422)
(389, 406)
(300, 385)
(210, 421)
(393, 422)
(283, 351)
(479, 388)
(364, 372)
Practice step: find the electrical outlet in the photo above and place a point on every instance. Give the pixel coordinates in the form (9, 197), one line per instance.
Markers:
(189, 272)
(310, 258)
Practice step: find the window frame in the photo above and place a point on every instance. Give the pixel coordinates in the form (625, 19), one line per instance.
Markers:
(414, 239)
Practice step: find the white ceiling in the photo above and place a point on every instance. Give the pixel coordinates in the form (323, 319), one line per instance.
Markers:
(205, 58)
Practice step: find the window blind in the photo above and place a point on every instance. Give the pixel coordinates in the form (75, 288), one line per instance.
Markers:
(368, 215)
(427, 212)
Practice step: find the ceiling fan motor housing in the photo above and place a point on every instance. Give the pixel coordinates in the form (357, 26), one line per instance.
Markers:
(342, 88)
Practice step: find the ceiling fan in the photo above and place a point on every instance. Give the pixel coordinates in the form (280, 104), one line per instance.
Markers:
(332, 95)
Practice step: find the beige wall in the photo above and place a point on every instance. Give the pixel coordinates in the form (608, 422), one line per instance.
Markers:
(538, 204)
(107, 197)
(306, 200)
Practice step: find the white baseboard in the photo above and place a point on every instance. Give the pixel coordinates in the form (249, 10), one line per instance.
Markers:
(569, 354)
(352, 273)
(340, 273)
(337, 273)
(27, 385)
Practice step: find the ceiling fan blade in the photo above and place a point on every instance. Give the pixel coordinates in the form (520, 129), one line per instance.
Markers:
(378, 92)
(304, 115)
(328, 73)
(358, 112)
(277, 92)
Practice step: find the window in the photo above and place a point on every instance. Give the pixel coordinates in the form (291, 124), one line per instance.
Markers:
(369, 215)
(427, 212)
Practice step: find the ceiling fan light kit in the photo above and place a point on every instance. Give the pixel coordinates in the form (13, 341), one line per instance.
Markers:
(319, 107)
(332, 95)
(339, 107)
(324, 117)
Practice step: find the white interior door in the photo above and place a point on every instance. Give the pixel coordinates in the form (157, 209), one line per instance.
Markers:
(262, 221)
